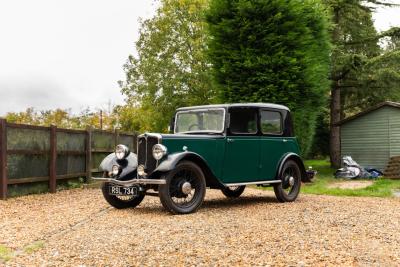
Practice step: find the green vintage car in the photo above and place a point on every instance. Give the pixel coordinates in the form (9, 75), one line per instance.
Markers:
(223, 147)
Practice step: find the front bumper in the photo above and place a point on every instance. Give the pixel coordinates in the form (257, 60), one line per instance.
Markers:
(130, 182)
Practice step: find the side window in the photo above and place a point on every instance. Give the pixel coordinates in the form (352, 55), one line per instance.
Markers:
(243, 121)
(271, 122)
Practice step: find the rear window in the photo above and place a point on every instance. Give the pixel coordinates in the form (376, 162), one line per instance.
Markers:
(243, 121)
(271, 122)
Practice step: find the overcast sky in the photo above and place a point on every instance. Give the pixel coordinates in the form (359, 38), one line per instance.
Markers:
(70, 53)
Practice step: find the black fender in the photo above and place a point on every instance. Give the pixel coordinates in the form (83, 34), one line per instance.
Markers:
(128, 165)
(173, 159)
(297, 159)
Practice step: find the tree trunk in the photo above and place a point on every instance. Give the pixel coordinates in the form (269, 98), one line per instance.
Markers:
(334, 144)
(335, 103)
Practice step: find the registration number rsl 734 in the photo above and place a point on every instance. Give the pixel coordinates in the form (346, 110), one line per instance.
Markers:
(118, 190)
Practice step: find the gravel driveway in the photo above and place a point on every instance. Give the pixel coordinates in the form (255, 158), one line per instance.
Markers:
(78, 228)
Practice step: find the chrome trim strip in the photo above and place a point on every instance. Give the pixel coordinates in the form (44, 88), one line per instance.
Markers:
(258, 182)
(130, 182)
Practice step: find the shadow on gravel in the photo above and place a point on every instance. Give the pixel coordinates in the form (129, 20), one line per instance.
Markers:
(228, 203)
(214, 204)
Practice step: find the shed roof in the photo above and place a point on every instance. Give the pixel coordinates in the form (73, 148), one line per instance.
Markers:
(369, 110)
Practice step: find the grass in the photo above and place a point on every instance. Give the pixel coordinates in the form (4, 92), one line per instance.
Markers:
(380, 188)
(5, 253)
(33, 247)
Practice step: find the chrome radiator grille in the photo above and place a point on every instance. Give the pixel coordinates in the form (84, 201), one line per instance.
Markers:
(145, 155)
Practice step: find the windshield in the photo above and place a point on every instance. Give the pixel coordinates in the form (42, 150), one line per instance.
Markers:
(200, 121)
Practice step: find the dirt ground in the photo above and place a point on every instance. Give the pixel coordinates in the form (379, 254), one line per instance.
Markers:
(351, 184)
(78, 228)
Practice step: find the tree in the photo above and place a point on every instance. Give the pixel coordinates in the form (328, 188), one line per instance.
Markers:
(272, 51)
(360, 73)
(63, 118)
(170, 69)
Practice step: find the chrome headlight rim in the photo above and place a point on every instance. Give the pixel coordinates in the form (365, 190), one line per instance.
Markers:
(159, 151)
(121, 151)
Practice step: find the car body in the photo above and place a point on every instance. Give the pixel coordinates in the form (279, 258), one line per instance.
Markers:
(224, 147)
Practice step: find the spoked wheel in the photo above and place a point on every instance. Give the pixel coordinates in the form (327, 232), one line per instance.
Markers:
(289, 188)
(120, 202)
(233, 191)
(184, 190)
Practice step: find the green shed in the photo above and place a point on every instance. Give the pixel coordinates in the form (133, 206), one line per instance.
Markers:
(372, 137)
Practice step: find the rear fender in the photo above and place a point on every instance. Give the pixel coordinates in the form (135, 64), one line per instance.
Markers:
(297, 159)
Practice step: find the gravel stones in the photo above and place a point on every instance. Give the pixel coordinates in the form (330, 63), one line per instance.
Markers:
(78, 228)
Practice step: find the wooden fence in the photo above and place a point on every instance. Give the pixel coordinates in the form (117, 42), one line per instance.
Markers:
(30, 154)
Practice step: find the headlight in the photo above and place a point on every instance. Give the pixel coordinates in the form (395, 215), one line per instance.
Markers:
(159, 151)
(121, 151)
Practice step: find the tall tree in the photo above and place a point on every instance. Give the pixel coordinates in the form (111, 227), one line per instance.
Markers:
(355, 59)
(170, 69)
(272, 51)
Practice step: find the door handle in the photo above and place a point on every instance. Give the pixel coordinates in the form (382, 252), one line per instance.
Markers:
(229, 140)
(284, 140)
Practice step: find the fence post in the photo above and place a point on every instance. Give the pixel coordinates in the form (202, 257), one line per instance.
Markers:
(3, 159)
(53, 159)
(88, 154)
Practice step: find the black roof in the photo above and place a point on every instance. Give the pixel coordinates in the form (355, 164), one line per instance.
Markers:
(362, 113)
(256, 105)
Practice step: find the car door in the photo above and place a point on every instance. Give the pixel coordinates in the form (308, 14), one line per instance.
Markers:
(242, 150)
(273, 143)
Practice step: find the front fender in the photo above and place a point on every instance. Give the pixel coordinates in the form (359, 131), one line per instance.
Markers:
(297, 159)
(128, 165)
(170, 162)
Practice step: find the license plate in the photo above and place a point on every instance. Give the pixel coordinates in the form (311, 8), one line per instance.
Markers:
(117, 190)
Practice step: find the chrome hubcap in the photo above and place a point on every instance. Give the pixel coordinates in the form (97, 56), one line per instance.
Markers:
(186, 188)
(291, 180)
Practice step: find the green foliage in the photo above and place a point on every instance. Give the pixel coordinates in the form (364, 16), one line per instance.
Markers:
(272, 51)
(320, 146)
(63, 118)
(170, 69)
(365, 73)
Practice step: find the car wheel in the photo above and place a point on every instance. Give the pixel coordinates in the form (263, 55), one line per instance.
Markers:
(289, 188)
(233, 191)
(121, 202)
(184, 190)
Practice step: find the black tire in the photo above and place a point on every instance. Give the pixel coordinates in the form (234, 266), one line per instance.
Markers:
(120, 202)
(172, 195)
(285, 192)
(233, 192)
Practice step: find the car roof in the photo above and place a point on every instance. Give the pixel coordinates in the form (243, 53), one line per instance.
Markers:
(255, 105)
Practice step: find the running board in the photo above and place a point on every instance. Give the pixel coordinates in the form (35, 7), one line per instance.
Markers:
(257, 183)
